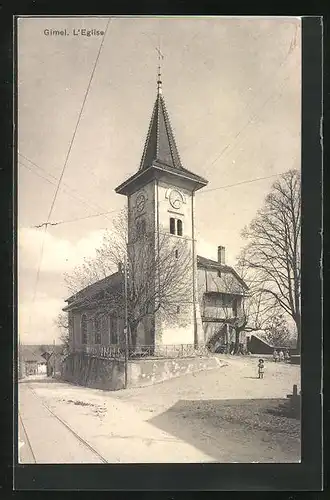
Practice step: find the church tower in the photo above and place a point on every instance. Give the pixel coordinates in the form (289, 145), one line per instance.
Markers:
(161, 200)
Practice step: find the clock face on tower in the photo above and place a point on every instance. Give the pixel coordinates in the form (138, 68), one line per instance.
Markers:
(176, 199)
(140, 202)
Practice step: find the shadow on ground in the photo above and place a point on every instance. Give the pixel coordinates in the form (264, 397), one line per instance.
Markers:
(241, 430)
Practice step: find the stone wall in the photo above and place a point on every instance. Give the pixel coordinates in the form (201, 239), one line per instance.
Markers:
(151, 371)
(82, 369)
(108, 374)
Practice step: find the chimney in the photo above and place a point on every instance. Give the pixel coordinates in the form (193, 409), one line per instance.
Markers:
(221, 255)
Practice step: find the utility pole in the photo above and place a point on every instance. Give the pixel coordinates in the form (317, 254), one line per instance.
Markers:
(126, 320)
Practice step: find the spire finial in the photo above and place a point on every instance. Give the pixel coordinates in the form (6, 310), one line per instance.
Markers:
(159, 79)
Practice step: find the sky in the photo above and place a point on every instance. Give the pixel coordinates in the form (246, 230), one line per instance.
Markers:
(232, 90)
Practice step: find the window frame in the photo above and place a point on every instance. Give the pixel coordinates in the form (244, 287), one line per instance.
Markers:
(172, 226)
(113, 332)
(84, 329)
(97, 331)
(179, 227)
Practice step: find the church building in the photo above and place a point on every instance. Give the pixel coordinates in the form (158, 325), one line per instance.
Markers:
(161, 204)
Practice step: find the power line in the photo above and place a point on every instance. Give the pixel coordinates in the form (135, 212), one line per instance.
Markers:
(163, 201)
(65, 163)
(77, 124)
(74, 220)
(292, 46)
(67, 188)
(228, 146)
(240, 183)
(255, 115)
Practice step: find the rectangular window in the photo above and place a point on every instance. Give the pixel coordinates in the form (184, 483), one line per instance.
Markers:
(172, 225)
(177, 309)
(179, 227)
(176, 254)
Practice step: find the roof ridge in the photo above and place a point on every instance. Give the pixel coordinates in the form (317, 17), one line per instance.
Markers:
(160, 142)
(170, 134)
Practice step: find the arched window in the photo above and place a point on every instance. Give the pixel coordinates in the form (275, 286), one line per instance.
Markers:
(97, 331)
(179, 227)
(172, 225)
(84, 334)
(113, 329)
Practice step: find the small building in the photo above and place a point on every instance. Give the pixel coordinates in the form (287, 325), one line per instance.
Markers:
(39, 360)
(31, 361)
(221, 295)
(256, 344)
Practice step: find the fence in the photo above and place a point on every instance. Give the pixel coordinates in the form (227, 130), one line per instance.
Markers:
(144, 351)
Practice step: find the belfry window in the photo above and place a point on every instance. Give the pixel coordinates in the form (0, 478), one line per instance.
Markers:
(176, 226)
(179, 227)
(84, 336)
(172, 225)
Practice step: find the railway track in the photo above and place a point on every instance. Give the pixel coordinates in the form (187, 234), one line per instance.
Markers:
(26, 439)
(65, 424)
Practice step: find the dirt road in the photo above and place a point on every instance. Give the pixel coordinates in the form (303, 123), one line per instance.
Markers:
(222, 415)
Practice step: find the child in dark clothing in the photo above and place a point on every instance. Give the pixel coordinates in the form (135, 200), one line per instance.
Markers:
(261, 367)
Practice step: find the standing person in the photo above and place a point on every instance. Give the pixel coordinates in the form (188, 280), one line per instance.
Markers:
(275, 355)
(281, 355)
(287, 356)
(261, 367)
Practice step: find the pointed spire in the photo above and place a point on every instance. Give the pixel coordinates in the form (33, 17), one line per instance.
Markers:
(160, 144)
(159, 81)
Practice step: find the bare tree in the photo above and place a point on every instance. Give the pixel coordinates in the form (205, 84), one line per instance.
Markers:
(277, 331)
(272, 254)
(159, 272)
(62, 324)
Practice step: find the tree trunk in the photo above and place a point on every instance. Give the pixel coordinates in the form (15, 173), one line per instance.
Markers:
(237, 332)
(133, 335)
(298, 326)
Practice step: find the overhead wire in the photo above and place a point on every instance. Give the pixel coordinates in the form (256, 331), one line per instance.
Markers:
(68, 189)
(292, 46)
(65, 163)
(248, 181)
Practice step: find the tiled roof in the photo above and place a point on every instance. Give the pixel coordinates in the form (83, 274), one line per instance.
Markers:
(34, 352)
(114, 280)
(203, 262)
